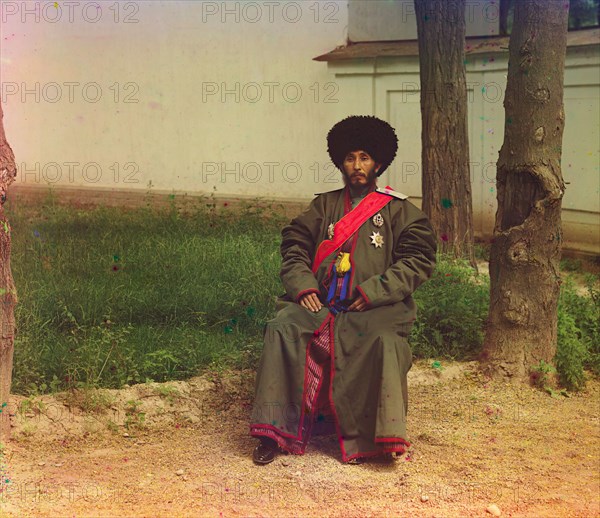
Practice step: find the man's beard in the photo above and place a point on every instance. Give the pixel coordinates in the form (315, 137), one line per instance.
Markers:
(360, 188)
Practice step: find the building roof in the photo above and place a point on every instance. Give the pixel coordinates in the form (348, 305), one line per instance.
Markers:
(473, 45)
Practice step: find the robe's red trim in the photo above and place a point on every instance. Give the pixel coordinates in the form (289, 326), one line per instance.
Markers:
(349, 224)
(400, 448)
(275, 429)
(287, 444)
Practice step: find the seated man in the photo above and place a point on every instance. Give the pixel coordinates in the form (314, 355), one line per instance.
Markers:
(351, 261)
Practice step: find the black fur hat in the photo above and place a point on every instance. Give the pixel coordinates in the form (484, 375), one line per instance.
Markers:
(365, 132)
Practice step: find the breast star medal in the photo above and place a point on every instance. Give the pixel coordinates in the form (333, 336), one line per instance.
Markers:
(330, 230)
(378, 220)
(377, 239)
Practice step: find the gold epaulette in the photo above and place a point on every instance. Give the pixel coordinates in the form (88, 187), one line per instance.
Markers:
(391, 192)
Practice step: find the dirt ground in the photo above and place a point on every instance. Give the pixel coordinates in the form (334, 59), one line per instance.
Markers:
(182, 449)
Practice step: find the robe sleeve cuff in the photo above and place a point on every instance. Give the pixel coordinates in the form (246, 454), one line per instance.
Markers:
(305, 292)
(363, 294)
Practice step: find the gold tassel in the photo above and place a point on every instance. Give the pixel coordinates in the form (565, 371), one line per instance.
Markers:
(342, 264)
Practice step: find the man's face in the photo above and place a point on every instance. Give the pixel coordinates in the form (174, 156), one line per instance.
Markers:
(360, 170)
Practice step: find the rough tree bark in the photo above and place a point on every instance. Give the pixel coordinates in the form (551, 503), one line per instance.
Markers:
(8, 293)
(526, 248)
(446, 183)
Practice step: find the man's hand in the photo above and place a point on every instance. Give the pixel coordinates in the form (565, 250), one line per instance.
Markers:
(311, 302)
(360, 304)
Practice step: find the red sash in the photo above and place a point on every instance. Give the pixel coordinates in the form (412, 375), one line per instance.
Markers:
(349, 224)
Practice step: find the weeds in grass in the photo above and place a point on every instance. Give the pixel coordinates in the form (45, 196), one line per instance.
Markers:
(134, 417)
(452, 308)
(169, 392)
(88, 399)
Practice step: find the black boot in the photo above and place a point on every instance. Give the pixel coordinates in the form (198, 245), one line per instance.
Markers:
(265, 451)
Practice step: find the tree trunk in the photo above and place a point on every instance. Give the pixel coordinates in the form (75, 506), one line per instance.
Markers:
(8, 293)
(525, 253)
(446, 184)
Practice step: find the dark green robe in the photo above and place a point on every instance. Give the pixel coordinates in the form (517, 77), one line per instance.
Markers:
(370, 354)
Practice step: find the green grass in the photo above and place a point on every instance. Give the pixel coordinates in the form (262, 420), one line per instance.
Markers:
(110, 296)
(452, 309)
(578, 331)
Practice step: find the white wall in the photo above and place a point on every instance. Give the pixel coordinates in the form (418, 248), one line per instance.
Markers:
(164, 115)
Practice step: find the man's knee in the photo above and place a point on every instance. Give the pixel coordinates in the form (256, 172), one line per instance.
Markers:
(288, 331)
